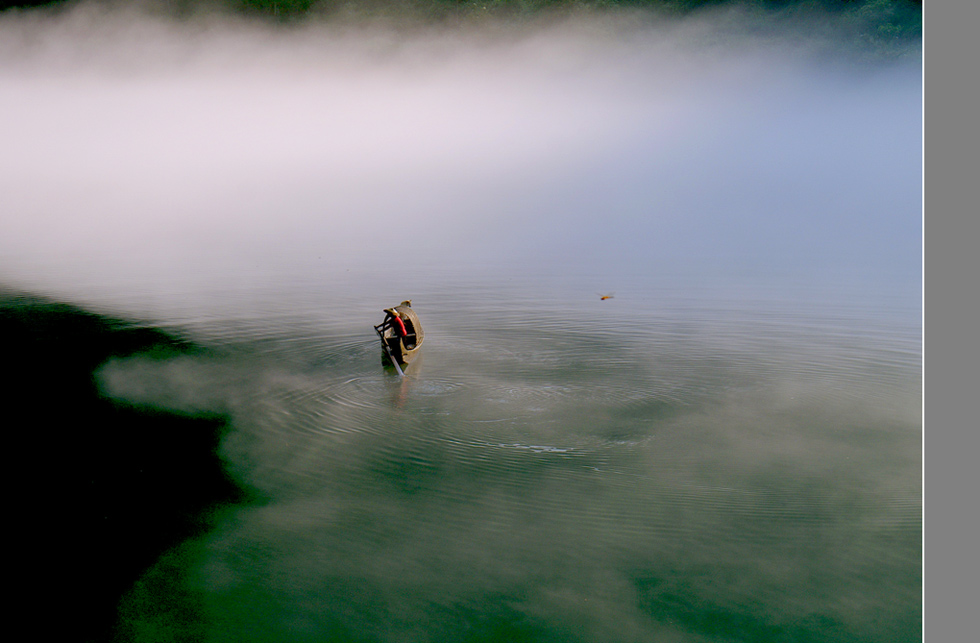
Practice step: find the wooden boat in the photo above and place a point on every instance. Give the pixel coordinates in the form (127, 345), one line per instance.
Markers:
(397, 348)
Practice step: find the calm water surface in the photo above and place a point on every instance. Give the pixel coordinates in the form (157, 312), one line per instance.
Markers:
(658, 466)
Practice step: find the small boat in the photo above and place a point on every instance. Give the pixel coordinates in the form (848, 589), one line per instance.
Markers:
(401, 334)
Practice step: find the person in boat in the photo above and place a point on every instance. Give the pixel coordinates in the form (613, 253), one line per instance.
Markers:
(400, 333)
(394, 320)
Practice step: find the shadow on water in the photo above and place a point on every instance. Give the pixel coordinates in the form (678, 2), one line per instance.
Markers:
(100, 488)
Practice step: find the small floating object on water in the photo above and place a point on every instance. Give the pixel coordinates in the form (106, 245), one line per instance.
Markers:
(605, 297)
(401, 335)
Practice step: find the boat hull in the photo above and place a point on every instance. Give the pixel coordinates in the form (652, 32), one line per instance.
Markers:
(401, 349)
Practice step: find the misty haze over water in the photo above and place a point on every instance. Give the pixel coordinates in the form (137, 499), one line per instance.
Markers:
(726, 449)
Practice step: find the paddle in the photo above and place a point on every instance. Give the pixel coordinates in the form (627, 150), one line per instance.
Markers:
(384, 345)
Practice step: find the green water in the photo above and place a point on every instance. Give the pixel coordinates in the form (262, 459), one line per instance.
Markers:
(658, 466)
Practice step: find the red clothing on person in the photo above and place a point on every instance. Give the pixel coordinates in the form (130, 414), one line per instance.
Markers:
(400, 327)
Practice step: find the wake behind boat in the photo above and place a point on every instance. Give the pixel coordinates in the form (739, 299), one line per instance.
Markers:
(401, 334)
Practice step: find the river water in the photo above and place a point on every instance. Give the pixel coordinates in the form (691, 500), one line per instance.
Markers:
(659, 465)
(727, 449)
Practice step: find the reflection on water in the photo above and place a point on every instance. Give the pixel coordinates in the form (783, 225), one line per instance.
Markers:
(709, 472)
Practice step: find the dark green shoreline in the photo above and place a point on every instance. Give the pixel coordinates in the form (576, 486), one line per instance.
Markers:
(100, 489)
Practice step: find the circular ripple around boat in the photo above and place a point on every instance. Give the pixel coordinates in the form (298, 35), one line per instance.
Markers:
(357, 404)
(345, 353)
(432, 387)
(618, 397)
(527, 394)
(314, 402)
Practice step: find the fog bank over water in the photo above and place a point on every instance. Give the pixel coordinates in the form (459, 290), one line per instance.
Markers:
(146, 156)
